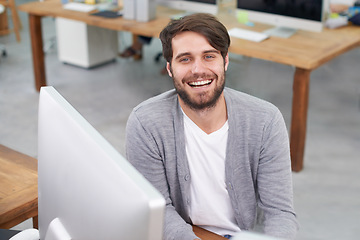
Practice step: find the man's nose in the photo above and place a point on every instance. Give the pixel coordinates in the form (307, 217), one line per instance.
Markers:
(198, 66)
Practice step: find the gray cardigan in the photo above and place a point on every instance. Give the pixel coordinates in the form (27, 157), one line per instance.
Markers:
(257, 167)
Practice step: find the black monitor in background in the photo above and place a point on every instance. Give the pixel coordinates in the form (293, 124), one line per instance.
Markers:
(286, 15)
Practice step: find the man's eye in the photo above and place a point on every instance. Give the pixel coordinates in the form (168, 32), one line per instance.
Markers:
(184, 59)
(209, 57)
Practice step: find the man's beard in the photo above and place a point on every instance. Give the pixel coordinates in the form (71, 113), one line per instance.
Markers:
(204, 102)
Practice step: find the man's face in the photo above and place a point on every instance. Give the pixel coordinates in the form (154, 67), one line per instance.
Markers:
(198, 70)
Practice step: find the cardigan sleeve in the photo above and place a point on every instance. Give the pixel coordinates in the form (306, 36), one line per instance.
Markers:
(274, 181)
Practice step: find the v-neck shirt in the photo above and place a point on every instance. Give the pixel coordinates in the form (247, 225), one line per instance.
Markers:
(210, 205)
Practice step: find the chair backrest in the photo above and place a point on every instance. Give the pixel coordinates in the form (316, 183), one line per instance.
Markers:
(14, 15)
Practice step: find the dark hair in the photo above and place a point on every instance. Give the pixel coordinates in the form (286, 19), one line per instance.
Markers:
(205, 24)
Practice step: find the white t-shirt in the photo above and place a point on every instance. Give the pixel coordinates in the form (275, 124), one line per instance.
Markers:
(210, 205)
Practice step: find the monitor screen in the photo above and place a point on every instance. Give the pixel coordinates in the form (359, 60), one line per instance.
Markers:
(296, 14)
(192, 6)
(87, 190)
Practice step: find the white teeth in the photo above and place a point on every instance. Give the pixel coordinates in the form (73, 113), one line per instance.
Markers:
(200, 83)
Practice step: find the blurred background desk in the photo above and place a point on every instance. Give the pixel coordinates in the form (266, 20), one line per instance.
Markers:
(53, 8)
(306, 51)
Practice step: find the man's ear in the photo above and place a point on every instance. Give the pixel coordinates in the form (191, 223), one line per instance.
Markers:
(168, 68)
(226, 62)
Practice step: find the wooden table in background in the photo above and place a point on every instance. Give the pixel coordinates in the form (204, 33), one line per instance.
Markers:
(18, 188)
(305, 51)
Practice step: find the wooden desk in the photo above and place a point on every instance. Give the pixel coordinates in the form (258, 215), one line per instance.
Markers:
(305, 51)
(206, 235)
(18, 188)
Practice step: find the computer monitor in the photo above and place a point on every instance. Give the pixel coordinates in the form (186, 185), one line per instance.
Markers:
(286, 15)
(87, 190)
(192, 6)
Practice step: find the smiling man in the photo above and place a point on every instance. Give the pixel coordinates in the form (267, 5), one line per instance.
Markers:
(218, 156)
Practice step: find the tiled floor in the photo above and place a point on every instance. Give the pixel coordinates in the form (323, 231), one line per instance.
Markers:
(326, 192)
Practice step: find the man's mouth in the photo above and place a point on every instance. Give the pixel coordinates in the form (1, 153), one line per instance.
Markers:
(198, 84)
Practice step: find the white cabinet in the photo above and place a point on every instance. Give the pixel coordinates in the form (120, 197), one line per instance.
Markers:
(83, 45)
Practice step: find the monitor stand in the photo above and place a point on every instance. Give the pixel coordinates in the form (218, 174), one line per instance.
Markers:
(283, 32)
(180, 15)
(57, 231)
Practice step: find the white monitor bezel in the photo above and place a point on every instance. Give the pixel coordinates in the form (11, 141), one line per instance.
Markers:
(87, 188)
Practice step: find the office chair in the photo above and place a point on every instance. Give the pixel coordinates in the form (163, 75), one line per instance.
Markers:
(3, 50)
(14, 15)
(2, 46)
(158, 57)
